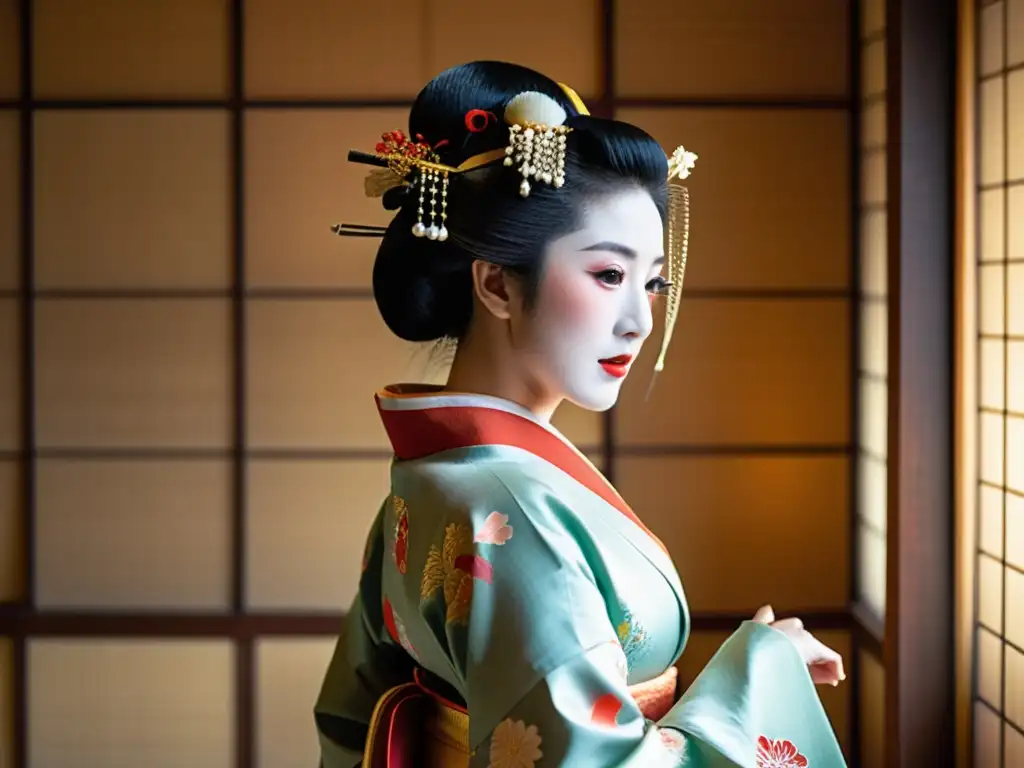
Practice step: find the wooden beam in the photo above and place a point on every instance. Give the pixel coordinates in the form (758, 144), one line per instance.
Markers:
(919, 658)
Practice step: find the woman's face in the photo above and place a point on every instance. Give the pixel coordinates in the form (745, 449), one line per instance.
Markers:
(592, 312)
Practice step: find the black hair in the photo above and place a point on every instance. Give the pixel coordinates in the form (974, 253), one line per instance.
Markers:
(423, 287)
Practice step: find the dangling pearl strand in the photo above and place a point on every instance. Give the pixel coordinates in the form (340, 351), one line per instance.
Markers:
(442, 233)
(418, 229)
(433, 231)
(540, 152)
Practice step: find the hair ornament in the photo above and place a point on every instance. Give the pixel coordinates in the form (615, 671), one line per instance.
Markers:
(478, 120)
(680, 163)
(413, 162)
(677, 243)
(537, 139)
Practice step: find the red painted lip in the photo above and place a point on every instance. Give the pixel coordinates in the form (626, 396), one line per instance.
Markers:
(617, 366)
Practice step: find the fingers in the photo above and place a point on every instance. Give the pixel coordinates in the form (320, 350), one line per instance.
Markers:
(788, 625)
(764, 615)
(825, 673)
(827, 666)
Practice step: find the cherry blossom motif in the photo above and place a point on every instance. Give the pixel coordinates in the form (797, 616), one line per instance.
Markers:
(401, 548)
(514, 745)
(494, 530)
(605, 710)
(779, 753)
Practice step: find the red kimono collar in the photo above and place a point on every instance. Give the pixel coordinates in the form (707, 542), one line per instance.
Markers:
(422, 420)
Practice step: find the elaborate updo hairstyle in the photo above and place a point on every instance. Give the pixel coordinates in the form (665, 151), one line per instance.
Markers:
(424, 287)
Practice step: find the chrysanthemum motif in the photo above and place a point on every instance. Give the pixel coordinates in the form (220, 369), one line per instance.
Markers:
(514, 745)
(453, 568)
(779, 753)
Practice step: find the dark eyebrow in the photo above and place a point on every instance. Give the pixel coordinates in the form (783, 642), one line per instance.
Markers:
(623, 250)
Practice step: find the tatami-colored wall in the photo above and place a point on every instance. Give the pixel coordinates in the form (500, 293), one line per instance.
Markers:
(188, 356)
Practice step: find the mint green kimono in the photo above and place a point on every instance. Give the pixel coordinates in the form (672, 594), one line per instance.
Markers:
(507, 566)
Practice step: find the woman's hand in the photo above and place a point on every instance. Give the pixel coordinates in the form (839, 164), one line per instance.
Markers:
(824, 664)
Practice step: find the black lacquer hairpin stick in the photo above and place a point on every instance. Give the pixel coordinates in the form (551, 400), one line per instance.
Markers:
(358, 230)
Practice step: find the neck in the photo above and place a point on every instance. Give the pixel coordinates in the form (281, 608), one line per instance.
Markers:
(485, 364)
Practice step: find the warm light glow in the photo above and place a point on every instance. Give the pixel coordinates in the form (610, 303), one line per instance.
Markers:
(1015, 214)
(872, 431)
(992, 215)
(82, 688)
(991, 436)
(991, 281)
(1015, 453)
(871, 567)
(1015, 299)
(990, 593)
(992, 170)
(999, 415)
(1015, 530)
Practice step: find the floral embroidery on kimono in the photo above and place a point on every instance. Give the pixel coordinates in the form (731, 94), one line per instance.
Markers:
(453, 568)
(400, 551)
(779, 753)
(605, 710)
(495, 530)
(515, 745)
(632, 637)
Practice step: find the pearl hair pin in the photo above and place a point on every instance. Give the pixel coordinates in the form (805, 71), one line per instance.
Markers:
(536, 147)
(434, 231)
(537, 139)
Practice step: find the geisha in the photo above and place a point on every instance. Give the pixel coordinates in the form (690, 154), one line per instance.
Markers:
(513, 611)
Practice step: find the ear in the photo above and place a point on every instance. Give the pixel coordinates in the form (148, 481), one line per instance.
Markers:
(493, 288)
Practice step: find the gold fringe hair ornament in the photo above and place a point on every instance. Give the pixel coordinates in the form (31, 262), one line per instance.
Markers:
(536, 148)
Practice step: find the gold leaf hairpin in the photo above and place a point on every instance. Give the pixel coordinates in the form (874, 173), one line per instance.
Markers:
(677, 242)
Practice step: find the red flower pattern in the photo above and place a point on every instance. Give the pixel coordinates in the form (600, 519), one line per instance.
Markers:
(779, 753)
(397, 143)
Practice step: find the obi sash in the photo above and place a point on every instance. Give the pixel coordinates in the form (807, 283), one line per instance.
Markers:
(414, 724)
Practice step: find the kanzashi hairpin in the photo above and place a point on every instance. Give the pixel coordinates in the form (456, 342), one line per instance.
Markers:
(536, 147)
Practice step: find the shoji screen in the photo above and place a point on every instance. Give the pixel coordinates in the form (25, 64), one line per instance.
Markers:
(999, 613)
(872, 375)
(874, 315)
(184, 496)
(741, 457)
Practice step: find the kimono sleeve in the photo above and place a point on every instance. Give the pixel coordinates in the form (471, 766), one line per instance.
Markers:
(546, 678)
(583, 714)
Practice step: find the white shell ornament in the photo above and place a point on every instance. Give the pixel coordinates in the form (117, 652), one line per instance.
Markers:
(537, 139)
(533, 108)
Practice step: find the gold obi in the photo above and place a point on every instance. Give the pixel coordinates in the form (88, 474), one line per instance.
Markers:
(442, 740)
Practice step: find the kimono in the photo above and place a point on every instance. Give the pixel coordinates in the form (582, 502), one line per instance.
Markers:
(505, 567)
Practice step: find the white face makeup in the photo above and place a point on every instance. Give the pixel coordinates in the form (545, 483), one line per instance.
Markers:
(592, 312)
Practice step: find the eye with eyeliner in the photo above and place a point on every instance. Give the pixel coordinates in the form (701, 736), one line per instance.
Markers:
(659, 286)
(613, 277)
